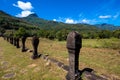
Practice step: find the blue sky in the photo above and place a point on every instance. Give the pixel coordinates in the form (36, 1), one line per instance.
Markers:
(67, 11)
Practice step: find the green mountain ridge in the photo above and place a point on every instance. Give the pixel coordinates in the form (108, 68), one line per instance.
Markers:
(52, 29)
(105, 26)
(33, 18)
(10, 22)
(47, 24)
(33, 21)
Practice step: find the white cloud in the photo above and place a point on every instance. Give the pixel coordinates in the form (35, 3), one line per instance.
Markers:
(88, 21)
(85, 21)
(26, 8)
(60, 19)
(24, 5)
(73, 21)
(65, 20)
(70, 21)
(24, 14)
(54, 20)
(105, 17)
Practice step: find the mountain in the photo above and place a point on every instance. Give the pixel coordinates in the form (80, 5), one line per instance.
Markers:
(10, 22)
(106, 26)
(47, 24)
(33, 21)
(50, 28)
(3, 14)
(33, 15)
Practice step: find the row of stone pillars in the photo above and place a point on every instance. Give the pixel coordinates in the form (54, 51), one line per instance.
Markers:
(15, 42)
(12, 40)
(35, 43)
(74, 44)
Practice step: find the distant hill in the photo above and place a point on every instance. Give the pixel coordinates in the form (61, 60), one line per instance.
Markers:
(47, 24)
(33, 21)
(106, 26)
(33, 18)
(10, 22)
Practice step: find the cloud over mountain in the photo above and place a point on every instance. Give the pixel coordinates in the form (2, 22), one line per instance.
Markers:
(26, 8)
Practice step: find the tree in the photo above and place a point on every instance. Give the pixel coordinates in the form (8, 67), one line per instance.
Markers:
(21, 32)
(116, 33)
(62, 34)
(51, 34)
(105, 34)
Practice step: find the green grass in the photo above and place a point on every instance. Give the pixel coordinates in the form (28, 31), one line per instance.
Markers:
(24, 67)
(102, 43)
(94, 54)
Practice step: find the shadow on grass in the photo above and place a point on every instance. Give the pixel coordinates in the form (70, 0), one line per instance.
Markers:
(84, 70)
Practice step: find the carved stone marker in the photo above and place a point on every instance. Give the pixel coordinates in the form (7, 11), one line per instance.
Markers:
(74, 43)
(23, 43)
(17, 43)
(35, 42)
(7, 38)
(11, 39)
(14, 41)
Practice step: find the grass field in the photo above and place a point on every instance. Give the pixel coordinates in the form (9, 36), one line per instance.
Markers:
(101, 55)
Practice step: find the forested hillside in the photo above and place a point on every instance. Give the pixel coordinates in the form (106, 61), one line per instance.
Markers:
(10, 22)
(52, 29)
(46, 24)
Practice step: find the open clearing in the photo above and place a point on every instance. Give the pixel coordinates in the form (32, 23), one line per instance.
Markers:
(16, 65)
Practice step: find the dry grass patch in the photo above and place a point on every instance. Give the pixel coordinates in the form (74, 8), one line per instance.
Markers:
(104, 61)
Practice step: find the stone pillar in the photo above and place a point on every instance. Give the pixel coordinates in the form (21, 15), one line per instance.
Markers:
(17, 43)
(74, 43)
(7, 38)
(11, 39)
(14, 41)
(23, 43)
(35, 42)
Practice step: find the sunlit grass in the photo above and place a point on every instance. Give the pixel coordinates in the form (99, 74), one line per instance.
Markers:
(24, 67)
(92, 55)
(102, 43)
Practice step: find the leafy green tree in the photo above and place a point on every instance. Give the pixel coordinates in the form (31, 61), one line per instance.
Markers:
(51, 34)
(62, 34)
(116, 33)
(21, 32)
(105, 34)
(43, 33)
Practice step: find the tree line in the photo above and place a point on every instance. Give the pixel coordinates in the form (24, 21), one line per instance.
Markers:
(60, 34)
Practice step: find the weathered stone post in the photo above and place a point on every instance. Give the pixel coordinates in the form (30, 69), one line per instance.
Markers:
(35, 42)
(14, 41)
(74, 43)
(11, 39)
(17, 43)
(23, 43)
(7, 38)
